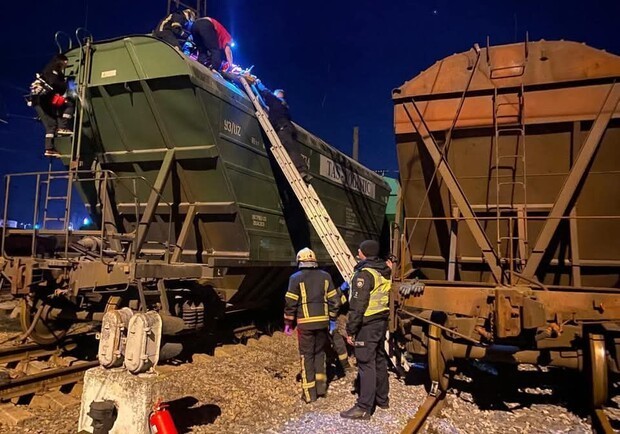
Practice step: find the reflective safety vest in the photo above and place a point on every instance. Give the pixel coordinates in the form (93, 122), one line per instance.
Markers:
(379, 295)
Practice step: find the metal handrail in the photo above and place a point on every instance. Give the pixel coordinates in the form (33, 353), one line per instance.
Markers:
(407, 234)
(57, 36)
(105, 176)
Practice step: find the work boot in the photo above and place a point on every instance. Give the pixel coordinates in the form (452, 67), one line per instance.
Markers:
(355, 412)
(311, 398)
(51, 153)
(64, 132)
(306, 177)
(384, 406)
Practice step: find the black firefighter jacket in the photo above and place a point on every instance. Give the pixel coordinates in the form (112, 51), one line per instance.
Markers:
(311, 299)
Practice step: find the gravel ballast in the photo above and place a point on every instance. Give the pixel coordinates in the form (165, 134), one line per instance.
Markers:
(253, 388)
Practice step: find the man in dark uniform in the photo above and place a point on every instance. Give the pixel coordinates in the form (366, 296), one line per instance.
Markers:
(50, 99)
(212, 41)
(280, 118)
(366, 328)
(312, 300)
(173, 28)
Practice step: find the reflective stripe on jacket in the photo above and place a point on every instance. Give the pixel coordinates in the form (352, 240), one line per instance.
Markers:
(311, 299)
(379, 295)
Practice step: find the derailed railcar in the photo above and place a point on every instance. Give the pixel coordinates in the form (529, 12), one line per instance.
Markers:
(190, 210)
(509, 165)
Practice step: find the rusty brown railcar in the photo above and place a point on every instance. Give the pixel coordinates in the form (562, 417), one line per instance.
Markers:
(510, 173)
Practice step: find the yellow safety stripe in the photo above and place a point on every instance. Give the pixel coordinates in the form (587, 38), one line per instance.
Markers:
(308, 385)
(313, 319)
(325, 288)
(292, 296)
(304, 380)
(321, 377)
(331, 294)
(164, 22)
(343, 356)
(304, 300)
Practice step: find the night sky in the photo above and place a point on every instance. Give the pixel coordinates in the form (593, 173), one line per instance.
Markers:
(338, 60)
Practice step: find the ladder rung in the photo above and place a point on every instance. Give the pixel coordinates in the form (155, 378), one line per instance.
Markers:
(53, 219)
(510, 156)
(57, 198)
(511, 183)
(510, 130)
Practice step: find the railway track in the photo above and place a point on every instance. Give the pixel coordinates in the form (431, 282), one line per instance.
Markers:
(31, 369)
(430, 407)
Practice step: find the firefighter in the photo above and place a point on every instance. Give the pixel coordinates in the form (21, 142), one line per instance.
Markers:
(280, 118)
(338, 330)
(366, 329)
(312, 300)
(212, 40)
(49, 97)
(174, 28)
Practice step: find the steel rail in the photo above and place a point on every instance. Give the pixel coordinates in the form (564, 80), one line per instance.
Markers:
(21, 352)
(44, 380)
(601, 423)
(430, 407)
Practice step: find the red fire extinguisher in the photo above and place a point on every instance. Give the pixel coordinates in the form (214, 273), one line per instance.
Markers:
(161, 421)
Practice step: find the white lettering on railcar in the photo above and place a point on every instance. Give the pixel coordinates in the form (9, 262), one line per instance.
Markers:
(259, 220)
(346, 177)
(232, 128)
(108, 74)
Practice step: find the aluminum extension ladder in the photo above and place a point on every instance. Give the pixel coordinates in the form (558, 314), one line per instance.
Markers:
(310, 202)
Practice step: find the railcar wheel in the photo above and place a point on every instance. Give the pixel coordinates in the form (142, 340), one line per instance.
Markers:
(436, 360)
(597, 370)
(45, 332)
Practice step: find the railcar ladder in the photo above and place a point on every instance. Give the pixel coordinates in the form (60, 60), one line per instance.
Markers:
(312, 205)
(509, 122)
(70, 177)
(49, 198)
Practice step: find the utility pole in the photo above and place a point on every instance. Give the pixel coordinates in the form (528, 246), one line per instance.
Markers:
(356, 144)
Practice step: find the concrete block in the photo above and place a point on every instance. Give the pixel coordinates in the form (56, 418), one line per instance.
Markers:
(133, 396)
(13, 415)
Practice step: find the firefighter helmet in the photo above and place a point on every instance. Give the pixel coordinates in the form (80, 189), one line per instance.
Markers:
(306, 255)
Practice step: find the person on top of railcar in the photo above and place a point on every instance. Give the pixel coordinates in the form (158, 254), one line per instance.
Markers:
(174, 28)
(312, 301)
(213, 42)
(280, 118)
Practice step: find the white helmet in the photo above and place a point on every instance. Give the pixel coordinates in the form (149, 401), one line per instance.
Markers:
(306, 255)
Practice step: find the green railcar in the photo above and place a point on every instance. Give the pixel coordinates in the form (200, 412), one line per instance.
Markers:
(143, 99)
